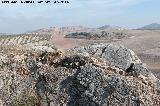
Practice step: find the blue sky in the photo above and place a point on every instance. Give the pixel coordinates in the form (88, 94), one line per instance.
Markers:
(17, 18)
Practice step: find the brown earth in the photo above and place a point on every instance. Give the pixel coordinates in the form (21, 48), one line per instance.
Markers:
(61, 42)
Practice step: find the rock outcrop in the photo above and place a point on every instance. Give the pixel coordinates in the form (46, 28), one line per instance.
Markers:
(99, 35)
(107, 76)
(117, 56)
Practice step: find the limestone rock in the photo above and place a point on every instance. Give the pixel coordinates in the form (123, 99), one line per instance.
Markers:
(118, 56)
(44, 78)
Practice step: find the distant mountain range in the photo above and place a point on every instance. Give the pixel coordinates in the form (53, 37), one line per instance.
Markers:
(153, 26)
(3, 34)
(72, 29)
(69, 29)
(109, 27)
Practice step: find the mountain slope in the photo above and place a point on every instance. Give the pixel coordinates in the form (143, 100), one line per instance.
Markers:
(153, 26)
(109, 27)
(63, 30)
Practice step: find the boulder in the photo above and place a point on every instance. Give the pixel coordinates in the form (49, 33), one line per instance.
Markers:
(116, 56)
(61, 79)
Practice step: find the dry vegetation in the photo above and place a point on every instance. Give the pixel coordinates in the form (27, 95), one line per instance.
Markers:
(23, 39)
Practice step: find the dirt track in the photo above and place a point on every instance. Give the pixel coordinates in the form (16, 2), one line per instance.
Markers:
(61, 42)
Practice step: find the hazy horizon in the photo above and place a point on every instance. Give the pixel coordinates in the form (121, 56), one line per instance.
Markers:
(17, 18)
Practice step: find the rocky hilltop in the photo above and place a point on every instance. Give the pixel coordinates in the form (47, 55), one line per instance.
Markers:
(92, 75)
(109, 27)
(99, 35)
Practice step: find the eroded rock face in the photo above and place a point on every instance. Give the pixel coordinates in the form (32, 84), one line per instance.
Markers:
(117, 56)
(94, 85)
(56, 78)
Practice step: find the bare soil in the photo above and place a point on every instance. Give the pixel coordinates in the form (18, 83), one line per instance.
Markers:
(61, 42)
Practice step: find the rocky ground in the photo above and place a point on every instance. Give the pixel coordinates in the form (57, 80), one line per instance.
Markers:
(49, 70)
(91, 75)
(145, 43)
